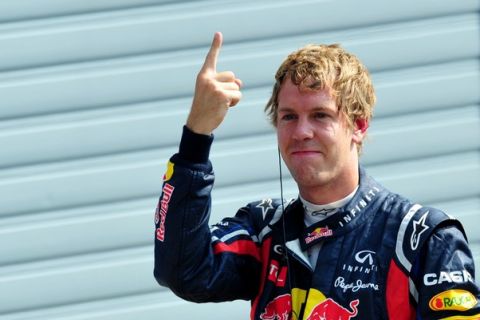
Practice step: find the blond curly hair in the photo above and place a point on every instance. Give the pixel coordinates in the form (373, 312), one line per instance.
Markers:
(328, 67)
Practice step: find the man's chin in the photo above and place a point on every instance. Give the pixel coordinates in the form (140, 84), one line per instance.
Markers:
(312, 180)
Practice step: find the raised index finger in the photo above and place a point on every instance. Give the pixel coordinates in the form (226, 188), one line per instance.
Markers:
(212, 55)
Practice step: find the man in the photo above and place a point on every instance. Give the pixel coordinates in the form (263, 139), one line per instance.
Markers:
(346, 248)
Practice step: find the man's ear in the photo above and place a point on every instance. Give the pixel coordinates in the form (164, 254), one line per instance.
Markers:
(360, 130)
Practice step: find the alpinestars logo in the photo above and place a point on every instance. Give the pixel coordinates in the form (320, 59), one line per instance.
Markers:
(265, 205)
(419, 227)
(324, 212)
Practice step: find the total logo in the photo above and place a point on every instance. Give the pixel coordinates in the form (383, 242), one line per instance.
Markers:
(455, 299)
(365, 262)
(277, 274)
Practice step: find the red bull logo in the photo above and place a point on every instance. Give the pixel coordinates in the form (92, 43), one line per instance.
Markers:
(279, 308)
(318, 233)
(329, 309)
(163, 206)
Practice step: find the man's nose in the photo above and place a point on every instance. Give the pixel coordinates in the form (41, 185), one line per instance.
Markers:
(303, 130)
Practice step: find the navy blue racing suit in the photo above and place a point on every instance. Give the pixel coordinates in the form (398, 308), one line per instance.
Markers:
(382, 257)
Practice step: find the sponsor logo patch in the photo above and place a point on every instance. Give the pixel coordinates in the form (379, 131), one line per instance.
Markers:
(460, 276)
(318, 233)
(365, 262)
(330, 309)
(361, 204)
(419, 227)
(277, 274)
(365, 256)
(354, 286)
(278, 249)
(324, 212)
(265, 205)
(168, 174)
(455, 299)
(167, 195)
(279, 308)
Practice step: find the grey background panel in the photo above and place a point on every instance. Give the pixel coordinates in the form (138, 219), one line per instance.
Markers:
(192, 23)
(94, 95)
(31, 9)
(129, 128)
(133, 80)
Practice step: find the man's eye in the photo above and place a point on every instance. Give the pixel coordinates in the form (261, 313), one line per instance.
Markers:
(320, 115)
(287, 117)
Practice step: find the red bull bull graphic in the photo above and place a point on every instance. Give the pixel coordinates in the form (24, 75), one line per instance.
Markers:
(279, 308)
(318, 233)
(329, 309)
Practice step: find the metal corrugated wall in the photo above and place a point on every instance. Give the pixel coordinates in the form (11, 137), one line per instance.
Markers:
(93, 95)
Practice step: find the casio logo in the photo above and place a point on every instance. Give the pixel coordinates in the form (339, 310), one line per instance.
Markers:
(430, 279)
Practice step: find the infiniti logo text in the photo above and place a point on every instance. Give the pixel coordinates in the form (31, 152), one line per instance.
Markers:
(365, 260)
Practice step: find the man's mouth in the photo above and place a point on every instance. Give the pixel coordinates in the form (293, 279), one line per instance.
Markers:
(304, 152)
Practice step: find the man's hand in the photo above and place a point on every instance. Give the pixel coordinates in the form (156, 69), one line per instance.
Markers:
(214, 93)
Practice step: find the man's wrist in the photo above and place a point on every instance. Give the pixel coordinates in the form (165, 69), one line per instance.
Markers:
(195, 147)
(198, 130)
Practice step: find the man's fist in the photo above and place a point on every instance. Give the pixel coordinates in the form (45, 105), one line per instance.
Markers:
(214, 93)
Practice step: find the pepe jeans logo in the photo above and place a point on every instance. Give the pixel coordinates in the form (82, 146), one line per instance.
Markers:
(364, 263)
(354, 286)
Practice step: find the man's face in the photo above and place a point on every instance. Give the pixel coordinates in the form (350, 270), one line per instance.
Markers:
(315, 140)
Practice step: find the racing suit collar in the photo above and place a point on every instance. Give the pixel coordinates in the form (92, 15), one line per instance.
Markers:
(348, 217)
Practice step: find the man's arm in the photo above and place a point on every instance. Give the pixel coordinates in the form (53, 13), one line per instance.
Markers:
(445, 277)
(187, 256)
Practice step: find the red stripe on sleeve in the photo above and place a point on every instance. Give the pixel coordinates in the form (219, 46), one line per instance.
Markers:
(244, 247)
(398, 302)
(265, 257)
